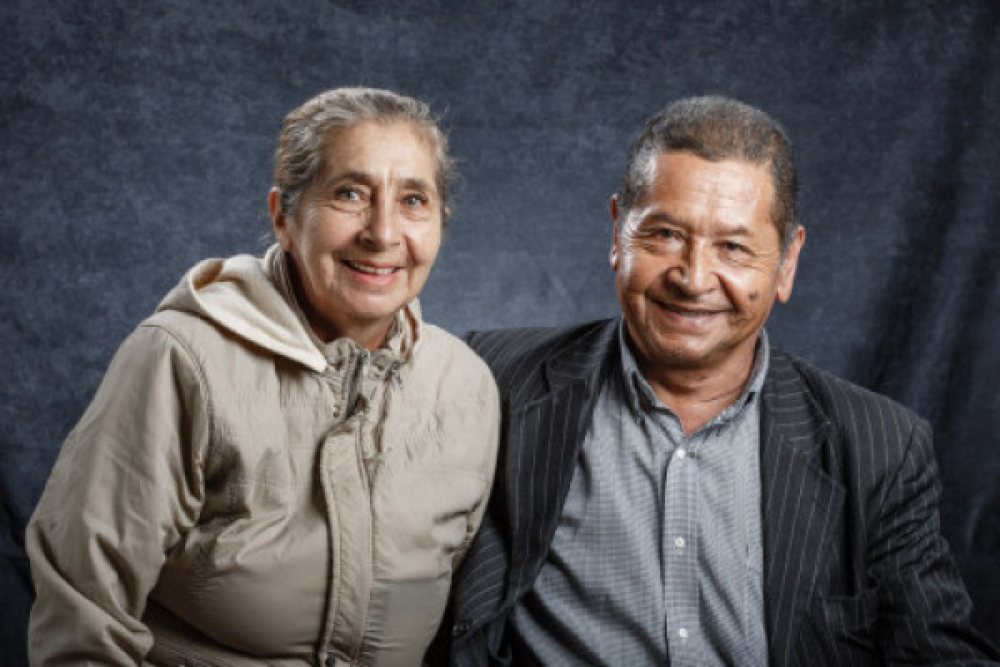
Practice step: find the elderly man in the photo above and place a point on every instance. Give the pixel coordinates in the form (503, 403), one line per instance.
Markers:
(675, 490)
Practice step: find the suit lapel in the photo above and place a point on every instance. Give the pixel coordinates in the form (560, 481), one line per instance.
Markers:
(543, 441)
(801, 503)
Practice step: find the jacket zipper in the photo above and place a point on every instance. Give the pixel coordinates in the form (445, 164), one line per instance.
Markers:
(357, 382)
(357, 386)
(394, 374)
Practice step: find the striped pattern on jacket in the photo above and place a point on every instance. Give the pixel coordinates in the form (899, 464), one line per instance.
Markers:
(856, 571)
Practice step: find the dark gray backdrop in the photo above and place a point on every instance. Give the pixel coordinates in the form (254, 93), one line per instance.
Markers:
(137, 137)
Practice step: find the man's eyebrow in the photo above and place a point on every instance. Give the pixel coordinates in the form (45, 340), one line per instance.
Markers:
(741, 231)
(665, 217)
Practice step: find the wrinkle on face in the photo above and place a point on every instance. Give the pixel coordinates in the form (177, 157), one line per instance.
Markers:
(366, 233)
(699, 263)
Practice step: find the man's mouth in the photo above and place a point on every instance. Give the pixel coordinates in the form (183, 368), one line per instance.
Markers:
(685, 311)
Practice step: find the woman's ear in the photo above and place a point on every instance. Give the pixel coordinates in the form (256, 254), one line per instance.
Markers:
(279, 221)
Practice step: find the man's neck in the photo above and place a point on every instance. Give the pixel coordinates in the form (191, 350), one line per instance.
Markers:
(696, 395)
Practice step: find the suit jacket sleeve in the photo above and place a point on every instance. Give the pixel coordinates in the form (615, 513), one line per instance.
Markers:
(923, 603)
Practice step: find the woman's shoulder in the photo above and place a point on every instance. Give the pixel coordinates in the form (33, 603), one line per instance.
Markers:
(448, 361)
(189, 330)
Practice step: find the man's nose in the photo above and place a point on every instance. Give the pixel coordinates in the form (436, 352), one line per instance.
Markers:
(383, 228)
(693, 273)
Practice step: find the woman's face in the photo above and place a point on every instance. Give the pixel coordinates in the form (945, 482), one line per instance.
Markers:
(366, 232)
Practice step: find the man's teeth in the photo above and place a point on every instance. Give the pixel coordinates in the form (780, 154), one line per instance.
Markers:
(375, 270)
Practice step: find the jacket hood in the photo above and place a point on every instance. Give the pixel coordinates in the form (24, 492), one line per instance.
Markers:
(241, 295)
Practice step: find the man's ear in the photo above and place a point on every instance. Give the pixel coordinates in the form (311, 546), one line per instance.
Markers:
(279, 221)
(790, 262)
(613, 256)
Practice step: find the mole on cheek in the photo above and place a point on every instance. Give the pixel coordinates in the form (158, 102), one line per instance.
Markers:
(753, 296)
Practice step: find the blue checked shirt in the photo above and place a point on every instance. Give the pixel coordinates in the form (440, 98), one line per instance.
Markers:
(657, 558)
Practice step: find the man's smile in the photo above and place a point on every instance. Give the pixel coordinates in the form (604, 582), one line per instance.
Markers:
(690, 311)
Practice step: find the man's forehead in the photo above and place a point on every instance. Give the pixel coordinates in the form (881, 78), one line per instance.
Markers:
(683, 173)
(683, 160)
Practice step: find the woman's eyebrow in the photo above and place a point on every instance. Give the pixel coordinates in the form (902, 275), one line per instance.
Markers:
(416, 183)
(349, 175)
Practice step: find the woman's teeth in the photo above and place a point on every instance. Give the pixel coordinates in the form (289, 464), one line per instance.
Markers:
(375, 270)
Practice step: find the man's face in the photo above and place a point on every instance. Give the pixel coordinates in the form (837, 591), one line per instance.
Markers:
(366, 232)
(699, 263)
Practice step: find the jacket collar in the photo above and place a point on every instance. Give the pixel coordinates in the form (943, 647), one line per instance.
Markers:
(573, 374)
(789, 407)
(587, 358)
(801, 503)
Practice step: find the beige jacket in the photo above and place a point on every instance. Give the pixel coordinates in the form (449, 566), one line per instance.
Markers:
(239, 494)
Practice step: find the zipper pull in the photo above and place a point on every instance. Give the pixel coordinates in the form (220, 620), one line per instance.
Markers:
(394, 375)
(357, 382)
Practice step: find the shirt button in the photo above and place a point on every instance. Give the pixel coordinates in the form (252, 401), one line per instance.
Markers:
(679, 542)
(682, 633)
(681, 453)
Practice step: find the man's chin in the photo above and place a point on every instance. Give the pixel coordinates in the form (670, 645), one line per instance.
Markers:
(679, 355)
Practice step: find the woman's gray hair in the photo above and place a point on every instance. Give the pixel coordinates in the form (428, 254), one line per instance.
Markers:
(299, 157)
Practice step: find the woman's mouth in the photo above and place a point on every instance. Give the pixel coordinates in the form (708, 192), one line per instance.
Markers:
(371, 269)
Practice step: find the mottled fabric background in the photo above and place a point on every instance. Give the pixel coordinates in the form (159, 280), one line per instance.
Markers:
(136, 139)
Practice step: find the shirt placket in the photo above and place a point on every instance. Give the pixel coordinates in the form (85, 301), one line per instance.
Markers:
(680, 546)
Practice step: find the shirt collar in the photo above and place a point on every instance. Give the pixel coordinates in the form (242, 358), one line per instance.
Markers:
(640, 396)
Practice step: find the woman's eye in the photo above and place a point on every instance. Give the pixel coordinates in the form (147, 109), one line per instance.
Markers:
(348, 194)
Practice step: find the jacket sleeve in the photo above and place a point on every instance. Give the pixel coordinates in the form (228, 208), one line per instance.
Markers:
(924, 604)
(126, 486)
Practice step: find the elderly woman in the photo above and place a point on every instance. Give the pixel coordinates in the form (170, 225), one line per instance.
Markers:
(284, 464)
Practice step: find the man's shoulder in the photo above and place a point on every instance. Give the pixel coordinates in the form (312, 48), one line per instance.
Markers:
(496, 344)
(514, 354)
(839, 399)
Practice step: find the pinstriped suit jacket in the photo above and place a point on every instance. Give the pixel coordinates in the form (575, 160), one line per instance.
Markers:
(856, 572)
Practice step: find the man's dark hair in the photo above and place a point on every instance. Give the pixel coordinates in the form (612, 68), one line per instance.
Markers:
(715, 129)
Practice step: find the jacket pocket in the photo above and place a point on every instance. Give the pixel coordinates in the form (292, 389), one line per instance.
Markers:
(421, 517)
(841, 630)
(851, 613)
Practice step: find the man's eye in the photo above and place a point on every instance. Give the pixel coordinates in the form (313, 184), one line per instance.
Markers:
(414, 200)
(733, 248)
